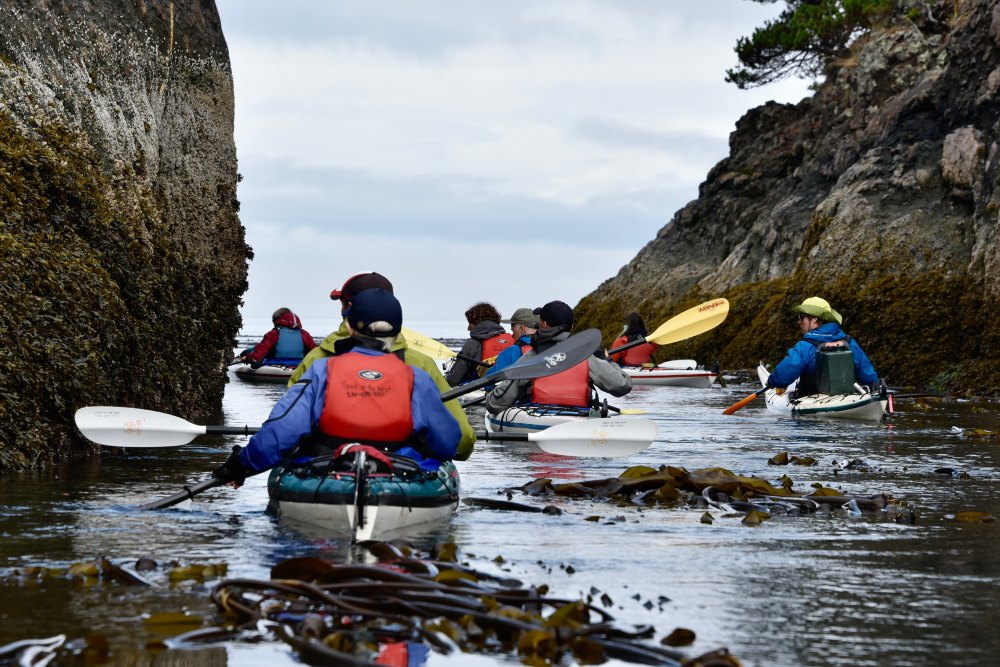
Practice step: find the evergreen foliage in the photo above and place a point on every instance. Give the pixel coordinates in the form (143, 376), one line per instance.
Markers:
(804, 38)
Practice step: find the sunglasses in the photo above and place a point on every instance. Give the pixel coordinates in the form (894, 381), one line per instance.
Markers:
(803, 316)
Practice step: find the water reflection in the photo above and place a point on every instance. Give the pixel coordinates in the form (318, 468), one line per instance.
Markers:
(811, 590)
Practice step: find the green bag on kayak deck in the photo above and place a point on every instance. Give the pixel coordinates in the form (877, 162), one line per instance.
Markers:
(835, 370)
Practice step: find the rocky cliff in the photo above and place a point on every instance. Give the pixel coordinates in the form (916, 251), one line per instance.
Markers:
(122, 256)
(879, 193)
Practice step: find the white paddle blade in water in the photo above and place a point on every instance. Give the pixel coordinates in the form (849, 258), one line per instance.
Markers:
(597, 437)
(134, 427)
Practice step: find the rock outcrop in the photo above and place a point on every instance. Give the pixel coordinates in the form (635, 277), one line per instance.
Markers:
(881, 193)
(122, 256)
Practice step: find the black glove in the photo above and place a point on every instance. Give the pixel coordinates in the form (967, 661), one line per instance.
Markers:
(232, 470)
(601, 354)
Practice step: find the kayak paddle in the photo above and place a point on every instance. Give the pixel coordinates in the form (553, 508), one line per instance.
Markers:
(135, 427)
(429, 346)
(691, 322)
(587, 437)
(746, 401)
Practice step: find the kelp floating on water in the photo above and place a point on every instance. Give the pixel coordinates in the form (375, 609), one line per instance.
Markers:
(718, 488)
(350, 614)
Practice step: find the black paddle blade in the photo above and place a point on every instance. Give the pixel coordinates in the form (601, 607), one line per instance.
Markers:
(556, 359)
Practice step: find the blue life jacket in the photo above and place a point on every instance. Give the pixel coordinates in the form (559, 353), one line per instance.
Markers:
(289, 345)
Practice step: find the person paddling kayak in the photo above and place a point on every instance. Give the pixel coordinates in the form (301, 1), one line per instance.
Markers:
(486, 340)
(635, 329)
(820, 325)
(572, 387)
(361, 394)
(345, 295)
(286, 343)
(523, 325)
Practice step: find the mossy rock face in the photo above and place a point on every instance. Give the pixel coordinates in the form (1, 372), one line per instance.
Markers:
(878, 193)
(123, 258)
(925, 330)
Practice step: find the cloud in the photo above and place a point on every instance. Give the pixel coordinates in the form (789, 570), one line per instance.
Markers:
(466, 124)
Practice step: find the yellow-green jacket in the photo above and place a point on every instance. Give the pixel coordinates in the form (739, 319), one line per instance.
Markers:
(412, 358)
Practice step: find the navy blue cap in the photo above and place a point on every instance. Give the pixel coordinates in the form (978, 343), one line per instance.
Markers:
(375, 305)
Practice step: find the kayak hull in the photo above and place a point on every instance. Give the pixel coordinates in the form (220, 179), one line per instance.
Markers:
(278, 374)
(473, 399)
(675, 373)
(534, 418)
(390, 502)
(866, 406)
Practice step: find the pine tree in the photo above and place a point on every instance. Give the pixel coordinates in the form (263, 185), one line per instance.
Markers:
(804, 38)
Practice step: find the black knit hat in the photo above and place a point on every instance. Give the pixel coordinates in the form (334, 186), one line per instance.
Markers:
(557, 313)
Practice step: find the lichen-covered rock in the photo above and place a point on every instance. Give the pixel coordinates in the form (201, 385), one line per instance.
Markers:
(122, 255)
(880, 192)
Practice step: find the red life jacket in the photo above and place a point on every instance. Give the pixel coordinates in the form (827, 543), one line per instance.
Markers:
(569, 387)
(638, 355)
(496, 344)
(367, 398)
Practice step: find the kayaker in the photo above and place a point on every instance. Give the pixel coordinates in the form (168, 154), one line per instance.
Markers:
(820, 325)
(572, 387)
(360, 394)
(486, 340)
(635, 329)
(345, 295)
(286, 343)
(523, 325)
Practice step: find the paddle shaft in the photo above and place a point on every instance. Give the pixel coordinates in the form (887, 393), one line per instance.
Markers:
(626, 346)
(746, 401)
(472, 361)
(231, 430)
(179, 497)
(488, 435)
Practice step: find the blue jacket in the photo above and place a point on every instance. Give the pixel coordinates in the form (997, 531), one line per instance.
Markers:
(801, 359)
(509, 356)
(296, 415)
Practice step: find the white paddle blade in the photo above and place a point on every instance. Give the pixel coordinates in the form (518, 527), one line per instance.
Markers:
(597, 437)
(133, 427)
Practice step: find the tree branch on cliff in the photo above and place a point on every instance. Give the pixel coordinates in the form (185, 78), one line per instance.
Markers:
(804, 38)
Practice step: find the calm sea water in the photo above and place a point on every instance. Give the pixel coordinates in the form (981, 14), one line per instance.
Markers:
(256, 327)
(828, 590)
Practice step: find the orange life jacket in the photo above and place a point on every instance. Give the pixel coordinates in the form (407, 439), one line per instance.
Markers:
(367, 398)
(569, 387)
(496, 344)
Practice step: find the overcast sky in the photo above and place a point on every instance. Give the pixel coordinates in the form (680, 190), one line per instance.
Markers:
(514, 152)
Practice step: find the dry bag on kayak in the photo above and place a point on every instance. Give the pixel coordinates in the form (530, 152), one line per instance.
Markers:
(835, 370)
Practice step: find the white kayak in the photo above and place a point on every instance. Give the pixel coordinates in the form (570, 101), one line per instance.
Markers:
(861, 405)
(534, 418)
(474, 399)
(277, 373)
(674, 373)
